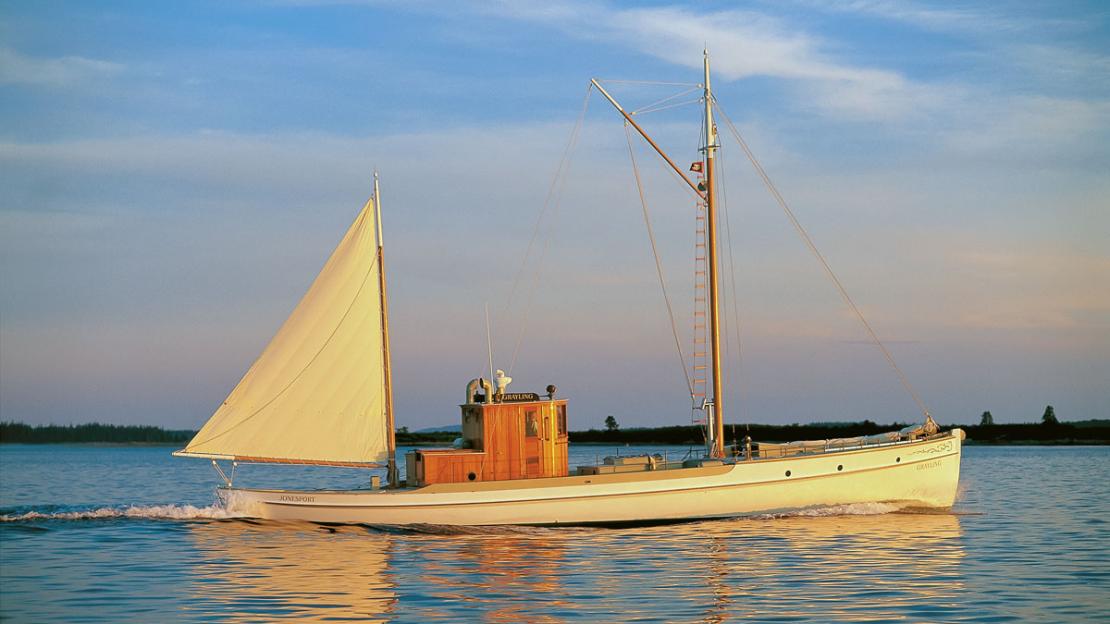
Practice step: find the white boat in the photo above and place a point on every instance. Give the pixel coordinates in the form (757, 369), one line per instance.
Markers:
(320, 394)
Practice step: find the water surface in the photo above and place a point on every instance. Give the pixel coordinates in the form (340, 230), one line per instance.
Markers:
(109, 533)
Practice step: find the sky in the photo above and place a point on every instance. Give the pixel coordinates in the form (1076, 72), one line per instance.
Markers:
(173, 176)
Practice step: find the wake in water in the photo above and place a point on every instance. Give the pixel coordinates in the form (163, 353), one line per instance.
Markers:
(218, 512)
(147, 512)
(852, 509)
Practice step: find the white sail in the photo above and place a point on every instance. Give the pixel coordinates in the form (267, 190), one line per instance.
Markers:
(317, 393)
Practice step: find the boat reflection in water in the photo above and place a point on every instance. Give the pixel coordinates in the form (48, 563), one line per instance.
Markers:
(824, 568)
(254, 572)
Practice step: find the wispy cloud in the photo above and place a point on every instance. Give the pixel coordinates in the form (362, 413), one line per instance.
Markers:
(1039, 289)
(1050, 131)
(743, 44)
(992, 20)
(16, 68)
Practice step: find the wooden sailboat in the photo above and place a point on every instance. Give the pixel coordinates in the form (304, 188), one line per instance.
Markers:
(320, 394)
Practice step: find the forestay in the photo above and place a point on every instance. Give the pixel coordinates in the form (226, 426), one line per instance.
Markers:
(317, 393)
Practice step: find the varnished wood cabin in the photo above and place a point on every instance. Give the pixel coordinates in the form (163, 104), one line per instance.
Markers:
(518, 435)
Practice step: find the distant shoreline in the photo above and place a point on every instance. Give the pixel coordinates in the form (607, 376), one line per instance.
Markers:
(1087, 432)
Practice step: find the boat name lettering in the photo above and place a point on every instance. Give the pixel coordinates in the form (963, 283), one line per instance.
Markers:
(519, 396)
(293, 498)
(929, 464)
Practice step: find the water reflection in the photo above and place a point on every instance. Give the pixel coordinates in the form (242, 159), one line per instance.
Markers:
(249, 572)
(845, 568)
(825, 568)
(499, 575)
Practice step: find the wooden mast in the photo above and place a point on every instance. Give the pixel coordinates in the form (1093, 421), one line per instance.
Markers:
(708, 193)
(391, 437)
(716, 414)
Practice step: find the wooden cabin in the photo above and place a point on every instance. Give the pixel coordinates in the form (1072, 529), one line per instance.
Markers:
(504, 436)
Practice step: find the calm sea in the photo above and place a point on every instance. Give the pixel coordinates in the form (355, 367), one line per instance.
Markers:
(113, 534)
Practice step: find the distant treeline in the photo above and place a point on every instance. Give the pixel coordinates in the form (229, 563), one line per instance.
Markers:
(693, 434)
(1081, 432)
(406, 438)
(19, 433)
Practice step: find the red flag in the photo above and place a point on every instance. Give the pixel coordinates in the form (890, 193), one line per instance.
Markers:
(696, 167)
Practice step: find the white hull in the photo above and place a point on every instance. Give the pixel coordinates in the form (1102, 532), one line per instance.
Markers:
(910, 474)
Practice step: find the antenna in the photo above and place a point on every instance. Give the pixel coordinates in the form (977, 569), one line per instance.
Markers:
(489, 344)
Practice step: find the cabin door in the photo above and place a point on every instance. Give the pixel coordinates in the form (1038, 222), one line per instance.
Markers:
(532, 443)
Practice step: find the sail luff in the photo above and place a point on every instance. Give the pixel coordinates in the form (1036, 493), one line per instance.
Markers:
(316, 393)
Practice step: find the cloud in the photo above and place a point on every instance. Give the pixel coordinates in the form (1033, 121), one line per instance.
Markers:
(1048, 131)
(947, 19)
(743, 44)
(16, 68)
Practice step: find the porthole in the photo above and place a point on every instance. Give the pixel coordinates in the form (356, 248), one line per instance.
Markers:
(471, 476)
(840, 467)
(897, 460)
(788, 473)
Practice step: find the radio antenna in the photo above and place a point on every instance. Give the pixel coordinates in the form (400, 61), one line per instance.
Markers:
(489, 344)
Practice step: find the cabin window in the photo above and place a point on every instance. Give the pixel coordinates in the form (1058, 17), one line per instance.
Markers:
(562, 411)
(531, 425)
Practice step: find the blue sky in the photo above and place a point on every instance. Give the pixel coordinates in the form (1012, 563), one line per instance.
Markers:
(174, 175)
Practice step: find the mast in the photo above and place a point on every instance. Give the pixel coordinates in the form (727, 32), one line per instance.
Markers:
(391, 437)
(708, 193)
(716, 413)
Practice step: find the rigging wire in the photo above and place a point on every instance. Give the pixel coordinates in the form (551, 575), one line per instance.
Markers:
(648, 107)
(656, 109)
(552, 202)
(738, 376)
(650, 82)
(658, 261)
(804, 235)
